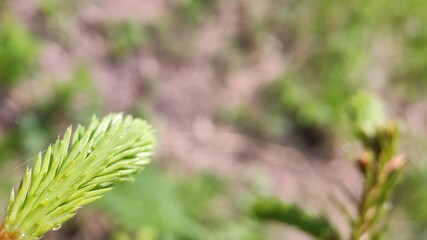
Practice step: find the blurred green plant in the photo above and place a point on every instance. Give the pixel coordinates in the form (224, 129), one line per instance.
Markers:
(317, 86)
(75, 100)
(194, 11)
(274, 209)
(330, 60)
(152, 202)
(254, 122)
(380, 166)
(334, 45)
(50, 9)
(74, 171)
(55, 17)
(18, 49)
(125, 37)
(409, 73)
(163, 206)
(412, 197)
(365, 112)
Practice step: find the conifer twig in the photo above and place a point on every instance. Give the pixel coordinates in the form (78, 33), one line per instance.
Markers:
(76, 170)
(380, 166)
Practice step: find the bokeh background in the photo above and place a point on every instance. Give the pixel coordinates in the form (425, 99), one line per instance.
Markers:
(248, 97)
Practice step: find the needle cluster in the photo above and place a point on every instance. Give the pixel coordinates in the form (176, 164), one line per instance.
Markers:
(76, 170)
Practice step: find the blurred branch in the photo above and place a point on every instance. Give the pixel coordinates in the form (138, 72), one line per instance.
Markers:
(380, 166)
(273, 209)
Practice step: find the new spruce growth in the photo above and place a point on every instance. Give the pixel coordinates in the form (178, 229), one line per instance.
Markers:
(380, 165)
(76, 170)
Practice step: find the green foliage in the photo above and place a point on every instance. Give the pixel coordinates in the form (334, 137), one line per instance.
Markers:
(125, 37)
(381, 168)
(166, 206)
(410, 74)
(152, 201)
(335, 54)
(50, 8)
(336, 57)
(77, 170)
(335, 49)
(193, 11)
(366, 113)
(254, 122)
(35, 128)
(293, 100)
(31, 134)
(412, 197)
(318, 86)
(18, 49)
(273, 209)
(145, 233)
(329, 66)
(77, 99)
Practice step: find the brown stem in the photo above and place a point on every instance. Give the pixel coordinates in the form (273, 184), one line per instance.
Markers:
(6, 235)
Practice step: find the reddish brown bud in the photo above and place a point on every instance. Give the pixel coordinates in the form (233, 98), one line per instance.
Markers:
(396, 163)
(364, 162)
